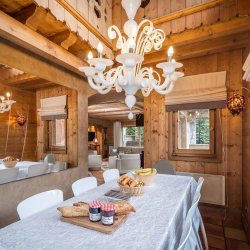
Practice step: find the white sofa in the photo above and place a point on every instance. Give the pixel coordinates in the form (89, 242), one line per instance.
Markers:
(127, 165)
(130, 156)
(94, 162)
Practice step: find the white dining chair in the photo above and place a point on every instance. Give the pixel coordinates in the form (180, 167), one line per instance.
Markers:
(110, 175)
(165, 167)
(39, 202)
(37, 169)
(198, 222)
(84, 185)
(112, 162)
(8, 175)
(191, 215)
(50, 158)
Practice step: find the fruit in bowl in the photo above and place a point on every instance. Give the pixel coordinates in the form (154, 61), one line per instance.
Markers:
(146, 175)
(10, 162)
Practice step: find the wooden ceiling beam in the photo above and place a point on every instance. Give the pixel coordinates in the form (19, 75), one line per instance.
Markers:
(207, 47)
(187, 11)
(21, 35)
(203, 33)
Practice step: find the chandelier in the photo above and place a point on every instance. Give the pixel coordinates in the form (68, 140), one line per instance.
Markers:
(130, 76)
(5, 104)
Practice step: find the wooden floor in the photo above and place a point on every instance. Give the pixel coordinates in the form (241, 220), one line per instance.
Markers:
(221, 233)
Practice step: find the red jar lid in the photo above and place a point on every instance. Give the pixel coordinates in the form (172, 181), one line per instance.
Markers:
(95, 204)
(108, 207)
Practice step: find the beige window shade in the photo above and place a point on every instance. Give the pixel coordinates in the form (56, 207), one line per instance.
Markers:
(53, 108)
(198, 91)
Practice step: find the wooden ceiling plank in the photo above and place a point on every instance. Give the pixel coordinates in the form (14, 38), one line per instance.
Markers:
(187, 11)
(18, 33)
(202, 33)
(217, 45)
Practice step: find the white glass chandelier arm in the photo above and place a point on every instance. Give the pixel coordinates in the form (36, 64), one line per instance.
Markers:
(166, 91)
(95, 86)
(113, 33)
(104, 81)
(105, 91)
(146, 91)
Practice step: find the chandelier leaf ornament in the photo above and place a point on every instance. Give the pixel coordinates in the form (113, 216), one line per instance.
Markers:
(5, 104)
(130, 76)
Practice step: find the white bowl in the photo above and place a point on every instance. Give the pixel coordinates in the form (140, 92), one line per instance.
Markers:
(10, 164)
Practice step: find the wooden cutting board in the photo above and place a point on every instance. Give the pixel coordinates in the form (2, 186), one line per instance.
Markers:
(97, 226)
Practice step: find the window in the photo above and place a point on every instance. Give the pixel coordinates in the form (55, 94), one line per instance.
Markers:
(55, 135)
(194, 135)
(133, 136)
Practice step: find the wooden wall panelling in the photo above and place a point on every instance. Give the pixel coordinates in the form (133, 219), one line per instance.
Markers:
(179, 24)
(193, 21)
(243, 7)
(116, 13)
(57, 10)
(147, 132)
(71, 155)
(164, 8)
(211, 15)
(43, 3)
(231, 127)
(71, 21)
(25, 105)
(229, 9)
(151, 10)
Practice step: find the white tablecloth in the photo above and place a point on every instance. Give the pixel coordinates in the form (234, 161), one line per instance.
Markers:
(157, 223)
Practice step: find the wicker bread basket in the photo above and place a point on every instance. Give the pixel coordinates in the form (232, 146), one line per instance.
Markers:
(135, 191)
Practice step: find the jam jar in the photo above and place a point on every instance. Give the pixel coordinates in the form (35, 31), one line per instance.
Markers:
(95, 211)
(108, 214)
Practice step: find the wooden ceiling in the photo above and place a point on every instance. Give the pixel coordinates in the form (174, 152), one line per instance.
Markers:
(111, 107)
(19, 79)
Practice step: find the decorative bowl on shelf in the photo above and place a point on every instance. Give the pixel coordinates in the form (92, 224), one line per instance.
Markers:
(10, 162)
(147, 176)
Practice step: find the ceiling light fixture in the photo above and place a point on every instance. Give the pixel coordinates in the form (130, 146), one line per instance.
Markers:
(5, 104)
(130, 76)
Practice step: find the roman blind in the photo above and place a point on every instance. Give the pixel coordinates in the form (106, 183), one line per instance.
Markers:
(204, 91)
(53, 108)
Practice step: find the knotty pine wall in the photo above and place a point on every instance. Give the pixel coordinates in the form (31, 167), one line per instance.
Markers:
(156, 127)
(246, 152)
(25, 103)
(159, 8)
(71, 155)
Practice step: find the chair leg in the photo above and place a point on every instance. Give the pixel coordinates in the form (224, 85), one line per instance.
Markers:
(203, 231)
(197, 238)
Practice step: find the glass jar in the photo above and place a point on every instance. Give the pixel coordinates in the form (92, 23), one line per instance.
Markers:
(108, 214)
(95, 211)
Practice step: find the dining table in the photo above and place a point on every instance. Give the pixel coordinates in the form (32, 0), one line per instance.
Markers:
(157, 223)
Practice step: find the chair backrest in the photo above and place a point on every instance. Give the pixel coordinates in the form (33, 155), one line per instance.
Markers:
(50, 158)
(130, 156)
(84, 185)
(198, 189)
(165, 167)
(128, 165)
(193, 208)
(110, 175)
(8, 175)
(95, 160)
(38, 169)
(39, 202)
(112, 162)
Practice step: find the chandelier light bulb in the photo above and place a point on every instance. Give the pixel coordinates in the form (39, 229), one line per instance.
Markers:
(131, 44)
(8, 95)
(2, 98)
(100, 49)
(90, 55)
(170, 52)
(173, 61)
(130, 116)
